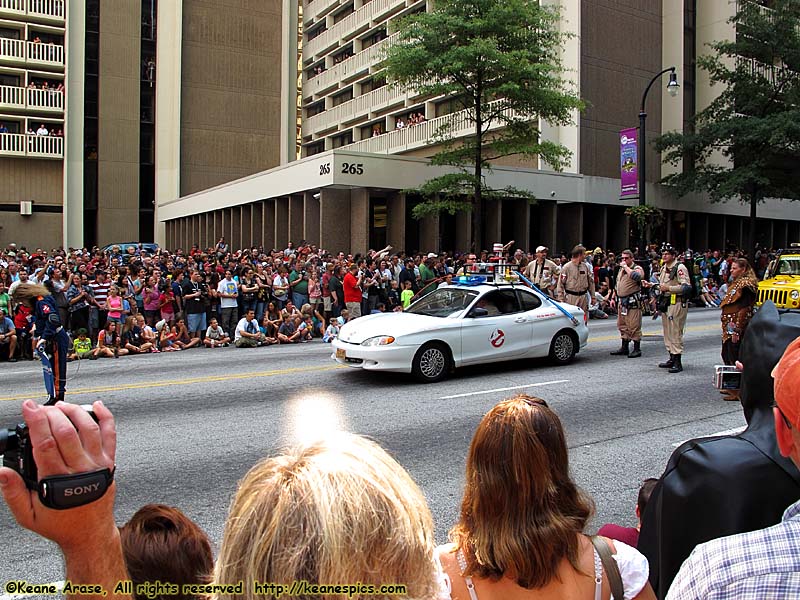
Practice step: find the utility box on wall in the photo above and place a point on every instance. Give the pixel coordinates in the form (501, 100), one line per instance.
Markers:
(26, 208)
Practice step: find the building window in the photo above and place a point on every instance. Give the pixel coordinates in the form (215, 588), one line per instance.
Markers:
(314, 32)
(315, 109)
(448, 106)
(9, 34)
(315, 148)
(344, 54)
(343, 14)
(342, 97)
(374, 38)
(337, 141)
(373, 84)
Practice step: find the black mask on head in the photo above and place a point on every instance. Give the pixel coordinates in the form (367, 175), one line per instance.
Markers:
(766, 339)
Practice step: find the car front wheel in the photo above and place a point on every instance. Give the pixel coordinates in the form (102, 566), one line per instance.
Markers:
(431, 363)
(563, 348)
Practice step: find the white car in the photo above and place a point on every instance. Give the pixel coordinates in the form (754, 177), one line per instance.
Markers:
(463, 324)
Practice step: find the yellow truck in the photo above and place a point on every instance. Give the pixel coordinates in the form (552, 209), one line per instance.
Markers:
(782, 281)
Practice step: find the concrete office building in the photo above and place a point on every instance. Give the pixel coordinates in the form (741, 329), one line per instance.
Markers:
(200, 79)
(346, 189)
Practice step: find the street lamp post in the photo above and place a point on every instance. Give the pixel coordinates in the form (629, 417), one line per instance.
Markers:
(672, 88)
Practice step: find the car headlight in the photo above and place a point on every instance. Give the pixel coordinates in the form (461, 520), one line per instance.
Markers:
(794, 295)
(379, 340)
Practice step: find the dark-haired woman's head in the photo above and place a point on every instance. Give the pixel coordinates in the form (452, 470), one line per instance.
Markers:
(160, 543)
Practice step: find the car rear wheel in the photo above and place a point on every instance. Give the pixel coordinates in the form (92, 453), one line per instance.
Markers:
(563, 348)
(431, 363)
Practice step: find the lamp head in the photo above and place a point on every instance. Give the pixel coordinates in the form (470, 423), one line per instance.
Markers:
(672, 86)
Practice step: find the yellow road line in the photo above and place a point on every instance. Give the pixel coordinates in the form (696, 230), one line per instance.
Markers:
(608, 338)
(173, 382)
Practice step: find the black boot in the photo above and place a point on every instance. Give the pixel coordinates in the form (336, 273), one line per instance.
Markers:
(623, 351)
(676, 367)
(637, 350)
(669, 363)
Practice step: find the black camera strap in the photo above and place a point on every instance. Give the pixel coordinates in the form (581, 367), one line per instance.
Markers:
(61, 492)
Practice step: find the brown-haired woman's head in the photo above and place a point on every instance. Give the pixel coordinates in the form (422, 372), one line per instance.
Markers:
(335, 511)
(740, 267)
(521, 513)
(160, 543)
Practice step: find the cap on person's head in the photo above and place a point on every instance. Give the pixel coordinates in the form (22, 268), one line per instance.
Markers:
(541, 248)
(578, 250)
(598, 250)
(787, 383)
(432, 255)
(161, 324)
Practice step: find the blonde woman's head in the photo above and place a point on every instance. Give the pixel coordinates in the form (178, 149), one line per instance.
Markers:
(339, 511)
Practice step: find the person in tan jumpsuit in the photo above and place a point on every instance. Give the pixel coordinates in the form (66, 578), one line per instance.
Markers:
(575, 280)
(629, 307)
(542, 272)
(676, 287)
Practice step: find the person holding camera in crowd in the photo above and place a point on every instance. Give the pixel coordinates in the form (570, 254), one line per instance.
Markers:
(50, 333)
(628, 301)
(195, 291)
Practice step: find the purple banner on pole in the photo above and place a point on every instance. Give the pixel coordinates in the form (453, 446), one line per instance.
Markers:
(628, 162)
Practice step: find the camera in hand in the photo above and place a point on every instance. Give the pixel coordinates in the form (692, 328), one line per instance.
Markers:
(727, 377)
(17, 451)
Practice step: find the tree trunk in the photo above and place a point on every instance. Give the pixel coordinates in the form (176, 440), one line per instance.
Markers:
(753, 222)
(477, 199)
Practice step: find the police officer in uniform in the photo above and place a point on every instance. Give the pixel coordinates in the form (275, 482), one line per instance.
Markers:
(576, 279)
(49, 330)
(542, 272)
(629, 305)
(676, 288)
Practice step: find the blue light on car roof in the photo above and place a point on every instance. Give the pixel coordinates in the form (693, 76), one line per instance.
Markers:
(470, 280)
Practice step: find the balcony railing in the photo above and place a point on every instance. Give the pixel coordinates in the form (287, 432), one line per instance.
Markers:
(350, 24)
(416, 136)
(349, 67)
(46, 9)
(372, 101)
(45, 53)
(12, 96)
(312, 9)
(45, 99)
(12, 144)
(45, 146)
(11, 48)
(20, 97)
(34, 146)
(13, 6)
(37, 52)
(53, 9)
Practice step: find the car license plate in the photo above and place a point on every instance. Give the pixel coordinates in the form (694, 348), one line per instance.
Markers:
(340, 355)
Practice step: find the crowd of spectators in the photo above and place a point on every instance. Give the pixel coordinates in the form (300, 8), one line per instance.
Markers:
(342, 510)
(128, 301)
(410, 121)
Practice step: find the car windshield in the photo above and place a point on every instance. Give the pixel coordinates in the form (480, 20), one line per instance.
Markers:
(443, 302)
(788, 266)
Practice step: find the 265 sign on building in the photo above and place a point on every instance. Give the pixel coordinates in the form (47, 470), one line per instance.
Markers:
(347, 168)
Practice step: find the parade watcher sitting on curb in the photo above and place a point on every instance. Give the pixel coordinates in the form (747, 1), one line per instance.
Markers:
(215, 335)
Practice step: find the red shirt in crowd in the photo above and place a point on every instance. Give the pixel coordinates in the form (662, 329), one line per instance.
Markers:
(352, 293)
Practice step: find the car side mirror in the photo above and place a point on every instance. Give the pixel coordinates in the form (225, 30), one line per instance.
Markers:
(478, 312)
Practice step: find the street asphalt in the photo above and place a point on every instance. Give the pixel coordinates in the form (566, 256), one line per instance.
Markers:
(190, 424)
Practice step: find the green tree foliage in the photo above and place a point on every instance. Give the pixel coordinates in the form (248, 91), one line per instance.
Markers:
(500, 61)
(754, 122)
